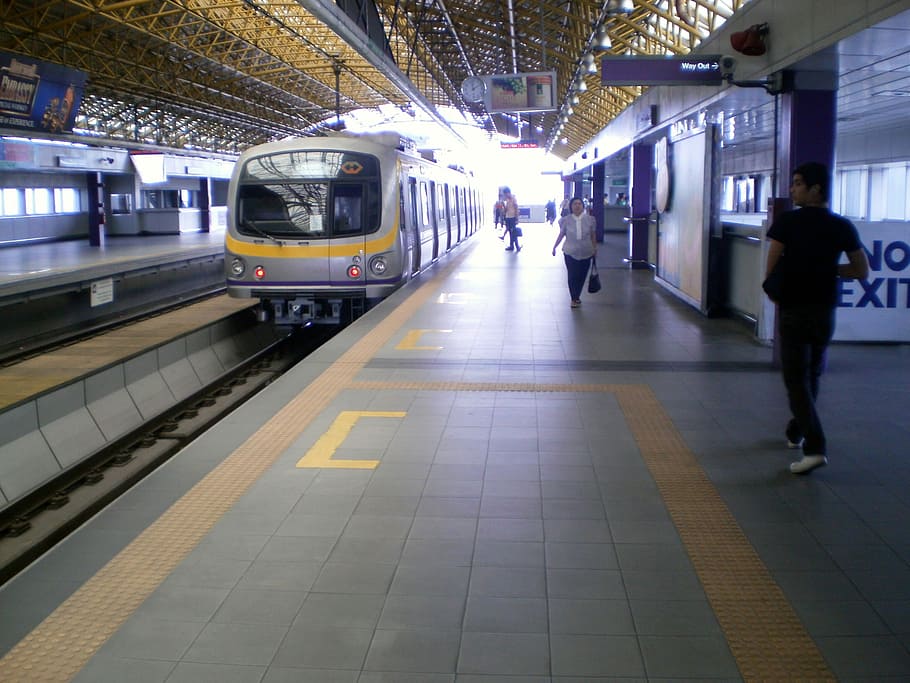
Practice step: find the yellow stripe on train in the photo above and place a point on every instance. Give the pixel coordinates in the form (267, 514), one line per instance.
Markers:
(318, 250)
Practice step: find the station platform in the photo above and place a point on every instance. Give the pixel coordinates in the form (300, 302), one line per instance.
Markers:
(35, 267)
(476, 482)
(47, 290)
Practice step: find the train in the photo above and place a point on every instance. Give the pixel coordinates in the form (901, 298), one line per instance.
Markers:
(320, 229)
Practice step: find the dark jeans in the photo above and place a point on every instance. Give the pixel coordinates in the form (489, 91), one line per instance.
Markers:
(510, 226)
(577, 271)
(804, 337)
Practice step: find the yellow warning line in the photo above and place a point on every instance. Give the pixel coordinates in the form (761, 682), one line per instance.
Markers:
(320, 455)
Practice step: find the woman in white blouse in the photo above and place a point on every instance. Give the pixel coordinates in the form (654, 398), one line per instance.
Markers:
(578, 229)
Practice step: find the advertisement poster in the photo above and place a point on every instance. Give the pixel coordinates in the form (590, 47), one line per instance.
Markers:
(521, 92)
(37, 95)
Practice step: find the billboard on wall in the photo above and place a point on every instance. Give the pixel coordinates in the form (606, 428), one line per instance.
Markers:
(524, 92)
(37, 95)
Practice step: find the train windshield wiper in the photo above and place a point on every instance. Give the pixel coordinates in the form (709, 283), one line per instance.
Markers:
(246, 222)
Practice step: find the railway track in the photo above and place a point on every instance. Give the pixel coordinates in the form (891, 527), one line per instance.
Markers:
(34, 524)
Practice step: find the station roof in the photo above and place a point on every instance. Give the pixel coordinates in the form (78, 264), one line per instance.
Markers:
(221, 75)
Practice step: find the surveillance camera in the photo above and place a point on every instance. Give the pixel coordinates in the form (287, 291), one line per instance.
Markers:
(727, 65)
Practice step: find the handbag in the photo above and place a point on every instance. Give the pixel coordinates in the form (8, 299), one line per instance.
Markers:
(594, 278)
(774, 283)
(518, 232)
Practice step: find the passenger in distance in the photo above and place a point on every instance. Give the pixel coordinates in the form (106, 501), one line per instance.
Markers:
(578, 229)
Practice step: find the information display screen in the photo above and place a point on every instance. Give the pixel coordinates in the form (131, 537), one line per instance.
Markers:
(657, 70)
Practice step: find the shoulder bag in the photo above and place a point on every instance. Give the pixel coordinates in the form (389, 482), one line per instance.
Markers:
(594, 278)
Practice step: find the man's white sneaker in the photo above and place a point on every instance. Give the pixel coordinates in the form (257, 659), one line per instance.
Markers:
(808, 463)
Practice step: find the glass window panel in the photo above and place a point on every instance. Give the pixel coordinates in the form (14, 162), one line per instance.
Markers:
(13, 201)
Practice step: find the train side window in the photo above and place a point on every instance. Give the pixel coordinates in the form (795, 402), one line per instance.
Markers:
(13, 201)
(68, 200)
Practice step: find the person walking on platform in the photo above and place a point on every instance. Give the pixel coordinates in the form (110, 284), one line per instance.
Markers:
(578, 229)
(808, 243)
(511, 215)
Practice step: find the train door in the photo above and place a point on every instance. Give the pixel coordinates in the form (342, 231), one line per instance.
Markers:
(434, 219)
(413, 225)
(458, 219)
(445, 217)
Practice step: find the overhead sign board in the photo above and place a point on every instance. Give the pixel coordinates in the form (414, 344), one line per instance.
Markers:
(656, 70)
(523, 144)
(38, 95)
(521, 92)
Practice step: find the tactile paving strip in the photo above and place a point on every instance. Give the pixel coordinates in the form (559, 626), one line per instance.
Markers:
(764, 634)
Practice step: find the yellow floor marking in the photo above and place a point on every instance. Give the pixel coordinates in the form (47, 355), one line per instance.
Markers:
(410, 340)
(320, 455)
(60, 646)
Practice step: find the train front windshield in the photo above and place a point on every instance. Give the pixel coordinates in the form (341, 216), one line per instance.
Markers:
(312, 194)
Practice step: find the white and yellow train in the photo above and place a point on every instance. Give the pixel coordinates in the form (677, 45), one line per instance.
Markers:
(320, 228)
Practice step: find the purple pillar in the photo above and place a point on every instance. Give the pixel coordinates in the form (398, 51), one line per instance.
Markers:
(94, 185)
(598, 180)
(640, 198)
(808, 128)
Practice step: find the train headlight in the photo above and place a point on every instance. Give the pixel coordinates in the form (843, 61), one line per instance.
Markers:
(379, 265)
(237, 267)
(354, 272)
(258, 272)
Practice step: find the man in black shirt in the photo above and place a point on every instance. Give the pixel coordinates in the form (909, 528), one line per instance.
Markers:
(810, 240)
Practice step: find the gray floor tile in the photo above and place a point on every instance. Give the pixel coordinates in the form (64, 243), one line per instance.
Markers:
(192, 672)
(592, 584)
(260, 607)
(577, 531)
(510, 508)
(367, 550)
(340, 611)
(687, 657)
(591, 617)
(508, 582)
(508, 554)
(143, 638)
(674, 618)
(591, 656)
(506, 529)
(354, 577)
(322, 647)
(236, 644)
(282, 576)
(581, 556)
(453, 552)
(431, 580)
(525, 654)
(871, 657)
(436, 612)
(114, 670)
(678, 585)
(296, 549)
(183, 603)
(488, 614)
(562, 508)
(413, 651)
